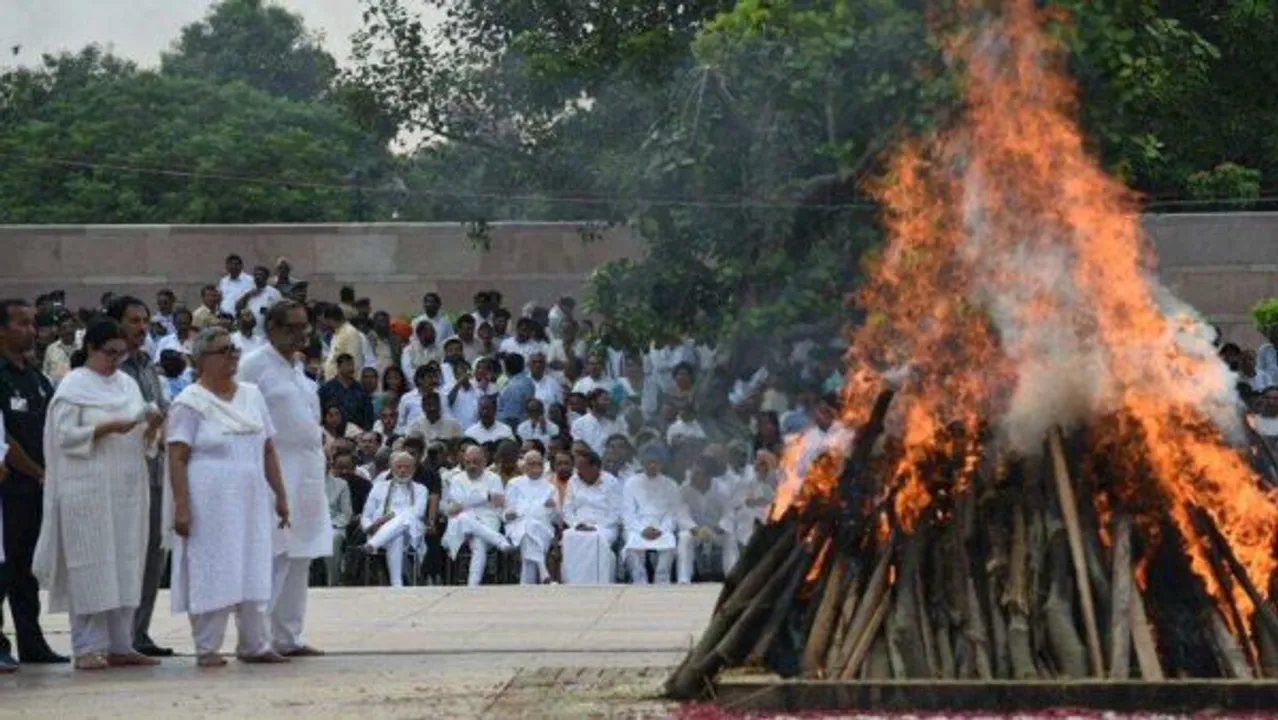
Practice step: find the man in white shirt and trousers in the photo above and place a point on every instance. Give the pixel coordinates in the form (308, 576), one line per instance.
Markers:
(293, 400)
(651, 508)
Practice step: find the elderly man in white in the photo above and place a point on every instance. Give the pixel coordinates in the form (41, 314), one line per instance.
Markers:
(531, 510)
(293, 401)
(707, 496)
(395, 515)
(592, 518)
(473, 500)
(651, 507)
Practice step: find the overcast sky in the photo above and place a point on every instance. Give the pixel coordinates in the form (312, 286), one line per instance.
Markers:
(141, 29)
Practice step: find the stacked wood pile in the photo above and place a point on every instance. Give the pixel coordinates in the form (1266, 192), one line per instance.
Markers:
(1006, 576)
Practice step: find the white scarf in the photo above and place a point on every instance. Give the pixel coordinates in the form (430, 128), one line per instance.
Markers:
(89, 388)
(215, 409)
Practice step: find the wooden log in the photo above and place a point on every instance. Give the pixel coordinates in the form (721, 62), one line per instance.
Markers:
(1069, 513)
(923, 618)
(878, 664)
(1267, 643)
(1058, 612)
(867, 638)
(847, 609)
(1264, 609)
(904, 631)
(1229, 654)
(975, 633)
(780, 610)
(1151, 668)
(1120, 631)
(875, 588)
(761, 541)
(823, 625)
(939, 609)
(1016, 599)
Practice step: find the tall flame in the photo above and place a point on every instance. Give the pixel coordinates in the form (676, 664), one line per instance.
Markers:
(1018, 287)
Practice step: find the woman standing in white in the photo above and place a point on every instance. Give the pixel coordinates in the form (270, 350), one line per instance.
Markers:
(92, 546)
(223, 469)
(592, 518)
(473, 499)
(531, 509)
(395, 515)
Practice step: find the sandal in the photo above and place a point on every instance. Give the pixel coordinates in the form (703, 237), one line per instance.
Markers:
(92, 661)
(210, 660)
(133, 659)
(270, 657)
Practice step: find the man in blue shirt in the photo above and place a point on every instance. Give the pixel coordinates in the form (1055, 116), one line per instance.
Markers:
(512, 403)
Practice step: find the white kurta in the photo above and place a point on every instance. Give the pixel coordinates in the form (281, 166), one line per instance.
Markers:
(472, 497)
(595, 431)
(527, 498)
(405, 499)
(588, 554)
(294, 405)
(747, 506)
(92, 546)
(651, 502)
(226, 559)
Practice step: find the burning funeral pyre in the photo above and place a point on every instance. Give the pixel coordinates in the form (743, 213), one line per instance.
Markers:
(1049, 475)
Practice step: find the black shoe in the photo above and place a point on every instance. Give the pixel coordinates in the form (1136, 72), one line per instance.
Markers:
(46, 657)
(154, 651)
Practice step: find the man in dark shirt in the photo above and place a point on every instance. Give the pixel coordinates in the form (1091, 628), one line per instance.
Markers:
(345, 392)
(134, 317)
(25, 392)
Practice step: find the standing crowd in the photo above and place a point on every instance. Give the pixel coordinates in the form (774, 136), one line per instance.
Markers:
(261, 443)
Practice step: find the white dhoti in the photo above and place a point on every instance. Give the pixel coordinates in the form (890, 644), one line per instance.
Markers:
(110, 631)
(481, 534)
(588, 556)
(533, 536)
(637, 549)
(252, 624)
(396, 536)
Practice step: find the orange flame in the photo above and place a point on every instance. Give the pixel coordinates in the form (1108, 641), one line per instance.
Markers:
(1014, 267)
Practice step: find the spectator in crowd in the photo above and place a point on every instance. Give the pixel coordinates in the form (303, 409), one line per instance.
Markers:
(410, 403)
(431, 424)
(473, 500)
(246, 337)
(360, 486)
(618, 457)
(284, 281)
(484, 307)
(294, 414)
(132, 315)
(346, 340)
(210, 307)
(650, 509)
(1267, 355)
(524, 341)
(28, 393)
(598, 425)
(340, 513)
(747, 506)
(393, 387)
(487, 340)
(471, 347)
(596, 378)
(531, 513)
(370, 382)
(547, 387)
(512, 401)
(175, 374)
(686, 428)
(565, 347)
(97, 434)
(463, 398)
(348, 394)
(505, 459)
(592, 512)
(767, 435)
(387, 425)
(432, 312)
(223, 469)
(422, 349)
(385, 346)
(394, 516)
(165, 304)
(183, 333)
(335, 428)
(57, 356)
(559, 314)
(346, 301)
(537, 427)
(704, 504)
(259, 299)
(234, 285)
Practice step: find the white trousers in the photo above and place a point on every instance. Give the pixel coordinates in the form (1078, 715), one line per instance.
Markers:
(393, 535)
(588, 556)
(481, 537)
(288, 601)
(637, 560)
(333, 563)
(694, 553)
(537, 538)
(251, 624)
(110, 631)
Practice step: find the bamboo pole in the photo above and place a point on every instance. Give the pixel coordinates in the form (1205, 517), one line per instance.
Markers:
(1264, 609)
(823, 626)
(875, 588)
(1069, 512)
(1143, 638)
(1120, 631)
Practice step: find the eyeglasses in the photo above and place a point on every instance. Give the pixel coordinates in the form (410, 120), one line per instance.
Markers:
(226, 350)
(113, 353)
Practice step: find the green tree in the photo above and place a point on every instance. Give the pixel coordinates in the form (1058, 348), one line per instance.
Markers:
(260, 44)
(90, 139)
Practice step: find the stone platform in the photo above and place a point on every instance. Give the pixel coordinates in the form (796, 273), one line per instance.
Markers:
(502, 651)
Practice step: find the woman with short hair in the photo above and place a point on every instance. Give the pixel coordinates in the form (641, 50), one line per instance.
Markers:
(92, 546)
(223, 470)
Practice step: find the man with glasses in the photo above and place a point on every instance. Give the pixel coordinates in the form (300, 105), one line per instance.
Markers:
(134, 317)
(293, 400)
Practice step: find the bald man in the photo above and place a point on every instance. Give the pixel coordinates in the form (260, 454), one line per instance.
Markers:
(531, 512)
(474, 501)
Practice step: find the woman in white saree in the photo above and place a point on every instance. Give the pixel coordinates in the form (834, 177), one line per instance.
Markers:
(223, 470)
(92, 545)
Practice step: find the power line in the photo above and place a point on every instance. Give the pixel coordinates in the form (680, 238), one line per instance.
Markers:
(743, 203)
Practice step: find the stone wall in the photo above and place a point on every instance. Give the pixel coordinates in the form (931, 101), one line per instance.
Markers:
(1220, 263)
(393, 264)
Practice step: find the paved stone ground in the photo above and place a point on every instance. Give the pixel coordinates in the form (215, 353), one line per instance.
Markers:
(412, 653)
